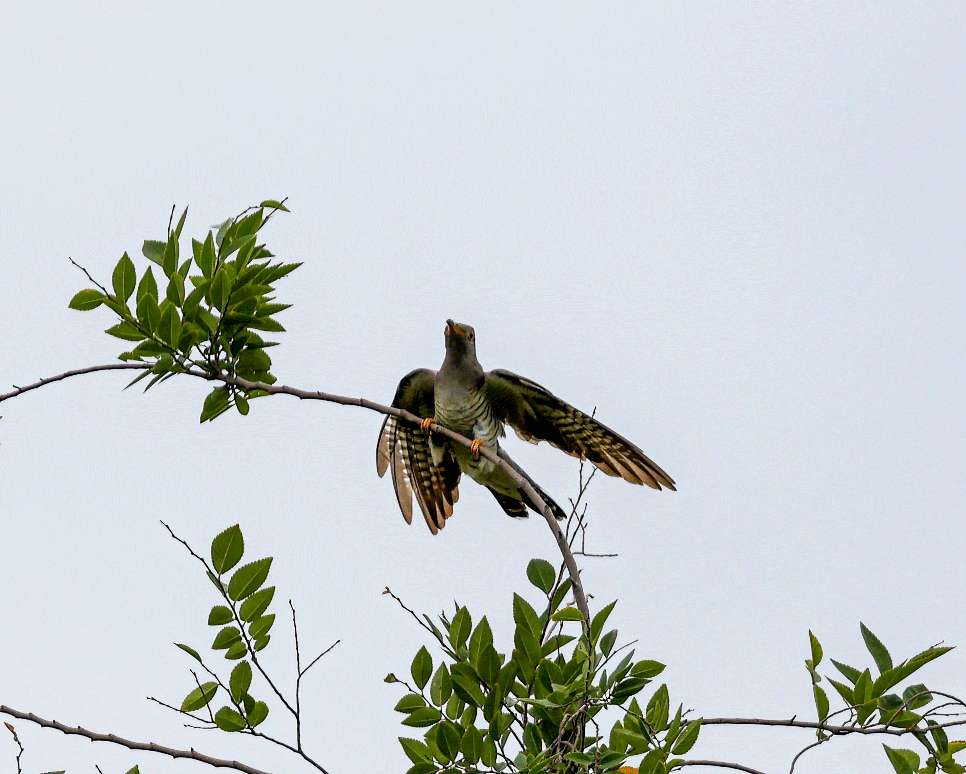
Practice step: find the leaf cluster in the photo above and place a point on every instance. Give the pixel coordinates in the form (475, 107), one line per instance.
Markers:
(534, 708)
(244, 625)
(208, 313)
(872, 698)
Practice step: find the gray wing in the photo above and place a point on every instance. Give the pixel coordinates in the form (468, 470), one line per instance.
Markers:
(405, 449)
(536, 415)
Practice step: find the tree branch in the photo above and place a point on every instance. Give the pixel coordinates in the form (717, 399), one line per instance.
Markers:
(94, 736)
(281, 389)
(831, 729)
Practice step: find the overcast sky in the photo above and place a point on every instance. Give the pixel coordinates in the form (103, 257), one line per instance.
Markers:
(735, 228)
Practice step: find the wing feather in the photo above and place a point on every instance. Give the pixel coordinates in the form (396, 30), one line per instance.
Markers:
(405, 449)
(537, 415)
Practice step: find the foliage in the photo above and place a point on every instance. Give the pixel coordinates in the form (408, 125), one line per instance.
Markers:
(208, 314)
(872, 699)
(244, 625)
(534, 708)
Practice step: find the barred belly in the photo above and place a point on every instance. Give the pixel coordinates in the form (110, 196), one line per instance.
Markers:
(472, 417)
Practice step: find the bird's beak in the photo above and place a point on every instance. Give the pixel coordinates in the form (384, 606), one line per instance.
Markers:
(452, 327)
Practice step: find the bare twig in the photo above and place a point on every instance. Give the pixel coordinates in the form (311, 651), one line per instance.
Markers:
(13, 733)
(835, 730)
(194, 755)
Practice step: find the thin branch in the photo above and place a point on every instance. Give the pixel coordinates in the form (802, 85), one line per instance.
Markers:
(194, 755)
(500, 459)
(88, 275)
(831, 729)
(13, 732)
(315, 660)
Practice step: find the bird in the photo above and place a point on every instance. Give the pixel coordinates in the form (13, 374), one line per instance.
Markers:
(478, 404)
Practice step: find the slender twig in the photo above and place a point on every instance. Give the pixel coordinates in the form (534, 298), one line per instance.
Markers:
(500, 459)
(835, 730)
(88, 275)
(194, 755)
(13, 733)
(315, 660)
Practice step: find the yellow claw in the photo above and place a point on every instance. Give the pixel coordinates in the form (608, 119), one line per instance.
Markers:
(475, 445)
(426, 423)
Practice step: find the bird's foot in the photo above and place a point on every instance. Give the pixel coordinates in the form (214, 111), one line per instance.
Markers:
(426, 423)
(475, 445)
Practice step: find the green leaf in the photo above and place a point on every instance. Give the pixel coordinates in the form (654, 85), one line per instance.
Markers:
(416, 751)
(261, 626)
(249, 578)
(126, 331)
(459, 629)
(134, 770)
(567, 614)
(258, 713)
(658, 709)
(541, 574)
(199, 697)
(687, 738)
(169, 327)
(226, 638)
(849, 672)
(441, 687)
(147, 286)
(448, 738)
(228, 719)
(219, 616)
(409, 703)
(206, 259)
(215, 403)
(85, 300)
(903, 761)
(472, 745)
(422, 667)
(240, 680)
(227, 549)
(175, 292)
(124, 278)
(148, 313)
(427, 716)
(821, 702)
(879, 653)
(262, 643)
(816, 648)
(256, 604)
(272, 204)
(236, 651)
(190, 651)
(241, 403)
(647, 668)
(597, 625)
(525, 616)
(152, 249)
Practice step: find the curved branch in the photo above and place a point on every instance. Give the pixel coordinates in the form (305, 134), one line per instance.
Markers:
(222, 763)
(67, 374)
(831, 729)
(281, 389)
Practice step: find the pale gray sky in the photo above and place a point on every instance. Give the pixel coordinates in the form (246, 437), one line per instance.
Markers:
(735, 228)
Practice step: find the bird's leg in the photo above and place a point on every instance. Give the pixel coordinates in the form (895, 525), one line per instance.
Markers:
(475, 445)
(425, 424)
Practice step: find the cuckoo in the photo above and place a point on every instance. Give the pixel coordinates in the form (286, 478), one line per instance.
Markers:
(478, 404)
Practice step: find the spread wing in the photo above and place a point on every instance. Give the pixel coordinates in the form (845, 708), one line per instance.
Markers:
(405, 449)
(537, 415)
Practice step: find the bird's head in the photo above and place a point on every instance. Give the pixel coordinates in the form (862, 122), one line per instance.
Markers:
(460, 339)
